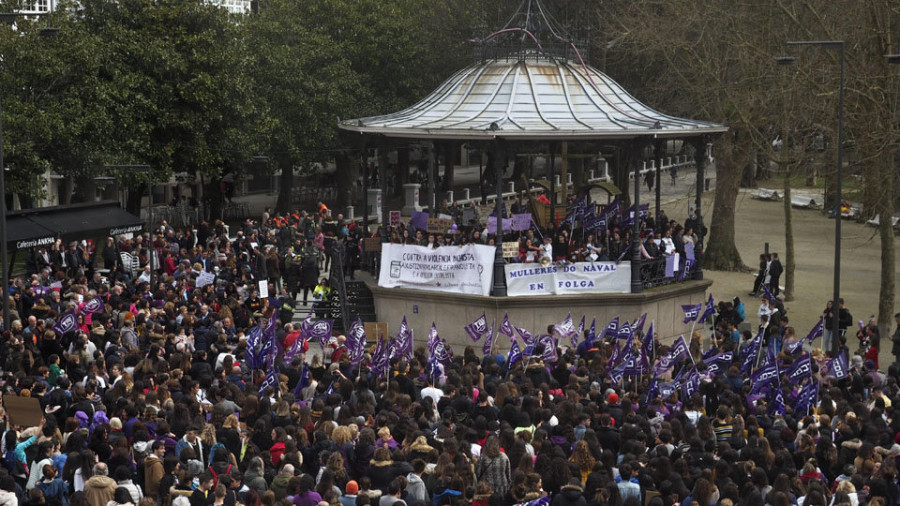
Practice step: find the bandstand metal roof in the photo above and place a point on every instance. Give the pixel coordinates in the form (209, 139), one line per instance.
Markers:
(526, 88)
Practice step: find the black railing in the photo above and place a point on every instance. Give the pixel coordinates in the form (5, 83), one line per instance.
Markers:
(336, 280)
(653, 273)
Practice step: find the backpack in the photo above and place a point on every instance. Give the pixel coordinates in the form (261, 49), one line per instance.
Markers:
(12, 464)
(216, 475)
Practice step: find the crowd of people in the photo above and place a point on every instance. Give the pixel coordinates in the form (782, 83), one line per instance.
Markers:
(149, 399)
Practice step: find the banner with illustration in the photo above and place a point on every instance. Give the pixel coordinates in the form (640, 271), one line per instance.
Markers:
(568, 279)
(459, 269)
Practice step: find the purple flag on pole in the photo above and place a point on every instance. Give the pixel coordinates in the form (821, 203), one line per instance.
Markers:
(270, 381)
(838, 366)
(719, 363)
(94, 305)
(625, 332)
(801, 368)
(489, 340)
(592, 333)
(777, 405)
(763, 376)
(612, 329)
(807, 397)
(617, 373)
(817, 331)
(794, 347)
(678, 351)
(691, 312)
(691, 385)
(303, 382)
(647, 348)
(477, 328)
(748, 360)
(320, 331)
(578, 333)
(638, 326)
(380, 359)
(550, 345)
(766, 292)
(566, 328)
(688, 265)
(433, 339)
(506, 327)
(524, 334)
(709, 310)
(356, 341)
(66, 323)
(515, 354)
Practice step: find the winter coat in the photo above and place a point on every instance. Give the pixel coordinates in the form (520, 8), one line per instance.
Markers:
(99, 490)
(153, 474)
(495, 471)
(569, 495)
(415, 488)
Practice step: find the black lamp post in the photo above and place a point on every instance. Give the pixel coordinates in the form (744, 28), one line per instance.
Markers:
(47, 31)
(832, 45)
(140, 169)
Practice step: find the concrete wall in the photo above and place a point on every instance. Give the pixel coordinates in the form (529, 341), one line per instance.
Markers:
(451, 312)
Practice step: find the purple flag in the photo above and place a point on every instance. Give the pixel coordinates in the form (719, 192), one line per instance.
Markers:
(578, 333)
(708, 354)
(777, 405)
(592, 333)
(670, 266)
(550, 345)
(667, 389)
(678, 351)
(270, 381)
(303, 382)
(807, 398)
(625, 332)
(748, 359)
(320, 331)
(402, 345)
(489, 341)
(794, 347)
(691, 312)
(442, 352)
(763, 376)
(838, 366)
(492, 224)
(514, 355)
(478, 328)
(506, 328)
(617, 373)
(653, 390)
(356, 341)
(380, 359)
(817, 331)
(66, 323)
(647, 348)
(688, 265)
(800, 369)
(566, 328)
(689, 250)
(524, 334)
(612, 329)
(433, 339)
(709, 310)
(94, 305)
(766, 292)
(691, 385)
(720, 363)
(638, 326)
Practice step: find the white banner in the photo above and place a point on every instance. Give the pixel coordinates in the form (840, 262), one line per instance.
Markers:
(568, 279)
(459, 269)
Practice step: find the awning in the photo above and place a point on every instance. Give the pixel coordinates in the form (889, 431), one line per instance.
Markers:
(40, 227)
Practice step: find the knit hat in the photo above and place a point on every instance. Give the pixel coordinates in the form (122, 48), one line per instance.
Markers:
(613, 398)
(352, 488)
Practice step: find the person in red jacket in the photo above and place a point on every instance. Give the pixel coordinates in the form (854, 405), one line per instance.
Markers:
(277, 449)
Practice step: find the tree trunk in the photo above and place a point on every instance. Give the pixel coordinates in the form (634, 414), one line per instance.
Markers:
(885, 209)
(285, 185)
(789, 265)
(721, 252)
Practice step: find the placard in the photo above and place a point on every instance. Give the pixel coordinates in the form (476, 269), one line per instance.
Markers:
(23, 411)
(371, 244)
(438, 225)
(375, 330)
(264, 289)
(510, 249)
(394, 217)
(459, 269)
(568, 279)
(205, 278)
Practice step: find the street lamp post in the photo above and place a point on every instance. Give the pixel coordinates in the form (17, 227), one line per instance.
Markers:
(832, 45)
(47, 31)
(137, 168)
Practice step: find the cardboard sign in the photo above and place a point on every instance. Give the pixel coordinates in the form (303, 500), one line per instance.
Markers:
(438, 225)
(395, 218)
(510, 249)
(23, 411)
(264, 289)
(372, 244)
(374, 330)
